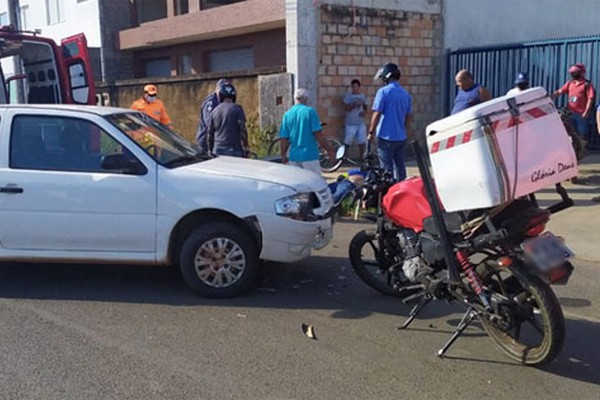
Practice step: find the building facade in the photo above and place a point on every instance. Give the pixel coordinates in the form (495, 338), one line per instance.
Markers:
(190, 37)
(97, 19)
(337, 41)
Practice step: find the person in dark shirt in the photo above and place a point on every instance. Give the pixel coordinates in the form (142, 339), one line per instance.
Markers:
(226, 126)
(208, 105)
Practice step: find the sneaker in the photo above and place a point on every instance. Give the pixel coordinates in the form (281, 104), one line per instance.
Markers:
(596, 199)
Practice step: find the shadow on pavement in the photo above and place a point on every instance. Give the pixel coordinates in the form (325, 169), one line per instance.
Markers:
(580, 358)
(316, 283)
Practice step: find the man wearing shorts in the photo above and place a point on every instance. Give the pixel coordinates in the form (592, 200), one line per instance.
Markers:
(355, 104)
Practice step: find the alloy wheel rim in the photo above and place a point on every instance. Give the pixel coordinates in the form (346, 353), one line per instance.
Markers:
(220, 262)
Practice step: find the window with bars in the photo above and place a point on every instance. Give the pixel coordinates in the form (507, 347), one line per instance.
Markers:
(231, 60)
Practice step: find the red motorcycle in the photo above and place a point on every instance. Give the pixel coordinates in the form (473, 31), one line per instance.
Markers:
(497, 263)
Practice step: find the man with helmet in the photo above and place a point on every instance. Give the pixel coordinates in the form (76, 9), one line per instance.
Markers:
(152, 106)
(208, 104)
(521, 83)
(391, 121)
(226, 133)
(580, 100)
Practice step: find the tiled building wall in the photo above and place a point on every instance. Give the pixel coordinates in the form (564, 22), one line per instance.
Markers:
(355, 42)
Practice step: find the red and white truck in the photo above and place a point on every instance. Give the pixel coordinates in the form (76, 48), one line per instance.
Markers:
(48, 73)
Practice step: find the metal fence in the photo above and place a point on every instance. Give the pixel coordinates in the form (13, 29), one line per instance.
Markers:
(547, 63)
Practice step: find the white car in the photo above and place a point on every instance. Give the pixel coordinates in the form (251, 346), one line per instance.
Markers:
(106, 185)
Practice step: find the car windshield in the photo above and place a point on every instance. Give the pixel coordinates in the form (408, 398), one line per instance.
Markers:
(161, 143)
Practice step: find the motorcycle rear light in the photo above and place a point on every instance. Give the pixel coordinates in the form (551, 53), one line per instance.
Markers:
(558, 275)
(537, 225)
(505, 261)
(536, 230)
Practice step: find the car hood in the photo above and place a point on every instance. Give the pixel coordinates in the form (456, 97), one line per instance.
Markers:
(293, 177)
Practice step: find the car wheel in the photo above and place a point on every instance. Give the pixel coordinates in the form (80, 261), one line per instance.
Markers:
(219, 260)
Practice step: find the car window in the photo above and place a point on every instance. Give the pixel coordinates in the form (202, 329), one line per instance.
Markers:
(162, 144)
(59, 143)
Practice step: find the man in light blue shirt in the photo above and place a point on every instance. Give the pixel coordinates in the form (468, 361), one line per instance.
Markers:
(301, 134)
(391, 120)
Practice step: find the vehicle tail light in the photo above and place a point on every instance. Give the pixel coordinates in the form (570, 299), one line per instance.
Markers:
(505, 261)
(537, 225)
(560, 276)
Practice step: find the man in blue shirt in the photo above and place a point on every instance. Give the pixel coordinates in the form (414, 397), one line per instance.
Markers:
(391, 120)
(301, 134)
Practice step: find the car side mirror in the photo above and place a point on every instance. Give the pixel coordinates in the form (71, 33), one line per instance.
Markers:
(124, 163)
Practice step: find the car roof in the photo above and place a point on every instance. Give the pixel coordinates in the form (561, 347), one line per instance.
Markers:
(102, 111)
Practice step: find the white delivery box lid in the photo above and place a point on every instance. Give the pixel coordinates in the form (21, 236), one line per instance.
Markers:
(499, 150)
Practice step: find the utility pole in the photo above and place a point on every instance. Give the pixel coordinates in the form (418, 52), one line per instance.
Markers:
(14, 9)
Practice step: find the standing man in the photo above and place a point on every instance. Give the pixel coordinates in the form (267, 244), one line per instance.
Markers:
(521, 83)
(469, 93)
(208, 104)
(301, 134)
(355, 104)
(152, 106)
(226, 126)
(391, 121)
(580, 101)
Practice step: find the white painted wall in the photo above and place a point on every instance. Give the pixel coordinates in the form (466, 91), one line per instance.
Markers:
(77, 17)
(469, 23)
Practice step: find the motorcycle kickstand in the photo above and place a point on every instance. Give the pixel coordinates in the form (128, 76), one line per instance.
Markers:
(416, 310)
(464, 322)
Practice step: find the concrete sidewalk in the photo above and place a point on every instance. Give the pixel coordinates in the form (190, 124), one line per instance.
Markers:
(577, 224)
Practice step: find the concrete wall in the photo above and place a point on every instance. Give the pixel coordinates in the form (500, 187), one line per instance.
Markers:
(183, 96)
(356, 41)
(471, 23)
(275, 98)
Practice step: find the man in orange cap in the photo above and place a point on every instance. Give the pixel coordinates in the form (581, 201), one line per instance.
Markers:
(152, 106)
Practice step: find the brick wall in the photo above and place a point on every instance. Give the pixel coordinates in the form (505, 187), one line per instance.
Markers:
(355, 42)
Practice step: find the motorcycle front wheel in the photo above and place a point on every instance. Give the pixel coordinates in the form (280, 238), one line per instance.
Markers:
(366, 258)
(532, 326)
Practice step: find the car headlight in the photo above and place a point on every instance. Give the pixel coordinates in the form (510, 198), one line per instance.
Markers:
(297, 206)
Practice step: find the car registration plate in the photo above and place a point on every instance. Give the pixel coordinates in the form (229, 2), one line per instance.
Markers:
(546, 251)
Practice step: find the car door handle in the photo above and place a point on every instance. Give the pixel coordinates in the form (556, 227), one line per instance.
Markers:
(11, 189)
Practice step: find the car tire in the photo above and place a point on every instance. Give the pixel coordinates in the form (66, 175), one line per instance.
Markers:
(219, 259)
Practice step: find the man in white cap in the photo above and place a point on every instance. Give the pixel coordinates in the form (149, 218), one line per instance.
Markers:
(301, 134)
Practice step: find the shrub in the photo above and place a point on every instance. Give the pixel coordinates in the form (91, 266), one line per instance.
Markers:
(258, 138)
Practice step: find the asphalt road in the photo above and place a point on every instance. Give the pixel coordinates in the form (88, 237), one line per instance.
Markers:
(114, 332)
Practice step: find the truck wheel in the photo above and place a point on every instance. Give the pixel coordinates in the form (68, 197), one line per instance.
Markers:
(219, 260)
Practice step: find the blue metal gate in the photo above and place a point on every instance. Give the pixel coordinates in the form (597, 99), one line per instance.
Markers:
(547, 63)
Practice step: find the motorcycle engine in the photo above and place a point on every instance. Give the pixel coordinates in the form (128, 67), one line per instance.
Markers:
(414, 266)
(432, 249)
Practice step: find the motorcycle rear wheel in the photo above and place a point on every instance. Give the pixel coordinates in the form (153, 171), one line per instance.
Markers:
(364, 255)
(539, 309)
